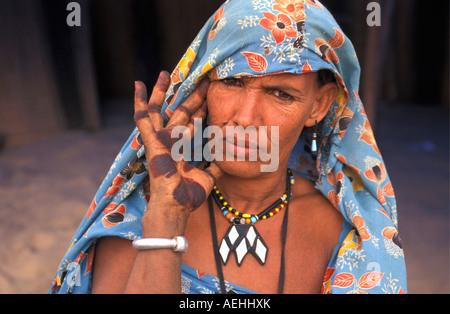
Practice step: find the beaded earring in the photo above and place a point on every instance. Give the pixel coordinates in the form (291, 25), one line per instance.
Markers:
(314, 141)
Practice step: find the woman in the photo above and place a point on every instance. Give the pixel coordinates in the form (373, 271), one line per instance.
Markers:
(283, 71)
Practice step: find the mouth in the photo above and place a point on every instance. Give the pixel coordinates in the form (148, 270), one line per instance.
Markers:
(240, 148)
(236, 150)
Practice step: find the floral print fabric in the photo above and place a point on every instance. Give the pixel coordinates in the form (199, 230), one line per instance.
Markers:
(255, 38)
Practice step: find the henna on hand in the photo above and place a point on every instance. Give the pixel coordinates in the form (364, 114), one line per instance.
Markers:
(141, 114)
(187, 184)
(190, 193)
(165, 138)
(162, 165)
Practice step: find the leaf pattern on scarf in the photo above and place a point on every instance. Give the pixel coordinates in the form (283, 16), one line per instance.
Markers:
(255, 61)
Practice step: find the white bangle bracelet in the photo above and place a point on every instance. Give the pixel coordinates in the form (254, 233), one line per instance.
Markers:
(178, 244)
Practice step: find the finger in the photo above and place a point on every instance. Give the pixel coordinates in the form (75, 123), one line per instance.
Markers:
(214, 173)
(196, 122)
(157, 99)
(141, 116)
(154, 141)
(183, 113)
(196, 184)
(140, 101)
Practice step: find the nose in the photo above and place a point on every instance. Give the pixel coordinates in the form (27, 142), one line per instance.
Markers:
(248, 108)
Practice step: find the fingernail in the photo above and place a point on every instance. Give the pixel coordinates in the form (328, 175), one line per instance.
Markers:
(164, 75)
(164, 78)
(140, 91)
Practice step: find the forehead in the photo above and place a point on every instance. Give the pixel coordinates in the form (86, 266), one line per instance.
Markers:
(295, 81)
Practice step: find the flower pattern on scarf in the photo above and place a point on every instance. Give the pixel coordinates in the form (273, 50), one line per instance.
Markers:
(280, 25)
(294, 8)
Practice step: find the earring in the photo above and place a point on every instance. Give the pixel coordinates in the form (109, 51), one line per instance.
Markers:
(314, 141)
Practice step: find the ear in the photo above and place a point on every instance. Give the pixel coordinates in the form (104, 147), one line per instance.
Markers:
(324, 99)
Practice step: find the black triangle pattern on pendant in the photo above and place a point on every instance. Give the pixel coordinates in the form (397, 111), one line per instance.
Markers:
(243, 239)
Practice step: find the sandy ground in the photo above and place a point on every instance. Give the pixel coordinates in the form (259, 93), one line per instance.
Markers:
(46, 188)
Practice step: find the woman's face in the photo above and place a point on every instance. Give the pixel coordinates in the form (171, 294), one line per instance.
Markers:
(287, 101)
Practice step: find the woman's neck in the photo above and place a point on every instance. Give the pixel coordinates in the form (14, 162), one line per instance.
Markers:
(252, 195)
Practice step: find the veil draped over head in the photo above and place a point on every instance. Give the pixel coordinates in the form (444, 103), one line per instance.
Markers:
(255, 38)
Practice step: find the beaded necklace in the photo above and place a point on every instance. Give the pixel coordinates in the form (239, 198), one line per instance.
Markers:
(242, 236)
(238, 218)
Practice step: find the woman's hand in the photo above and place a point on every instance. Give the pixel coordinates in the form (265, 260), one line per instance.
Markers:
(176, 187)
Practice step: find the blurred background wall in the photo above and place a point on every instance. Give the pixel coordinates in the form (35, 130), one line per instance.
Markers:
(66, 108)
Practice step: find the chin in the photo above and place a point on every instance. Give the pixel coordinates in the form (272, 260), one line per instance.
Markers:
(242, 169)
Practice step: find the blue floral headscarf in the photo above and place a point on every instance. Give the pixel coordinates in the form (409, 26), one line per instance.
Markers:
(256, 38)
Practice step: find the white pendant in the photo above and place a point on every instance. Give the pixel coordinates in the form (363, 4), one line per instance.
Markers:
(243, 239)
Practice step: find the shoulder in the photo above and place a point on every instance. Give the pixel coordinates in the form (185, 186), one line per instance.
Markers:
(314, 212)
(305, 192)
(313, 233)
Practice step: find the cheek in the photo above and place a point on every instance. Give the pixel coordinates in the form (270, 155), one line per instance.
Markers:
(289, 135)
(290, 128)
(220, 107)
(293, 119)
(290, 122)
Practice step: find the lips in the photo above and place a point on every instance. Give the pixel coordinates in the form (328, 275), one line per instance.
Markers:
(242, 144)
(247, 148)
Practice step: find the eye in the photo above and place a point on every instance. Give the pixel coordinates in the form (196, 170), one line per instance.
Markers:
(231, 81)
(282, 95)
